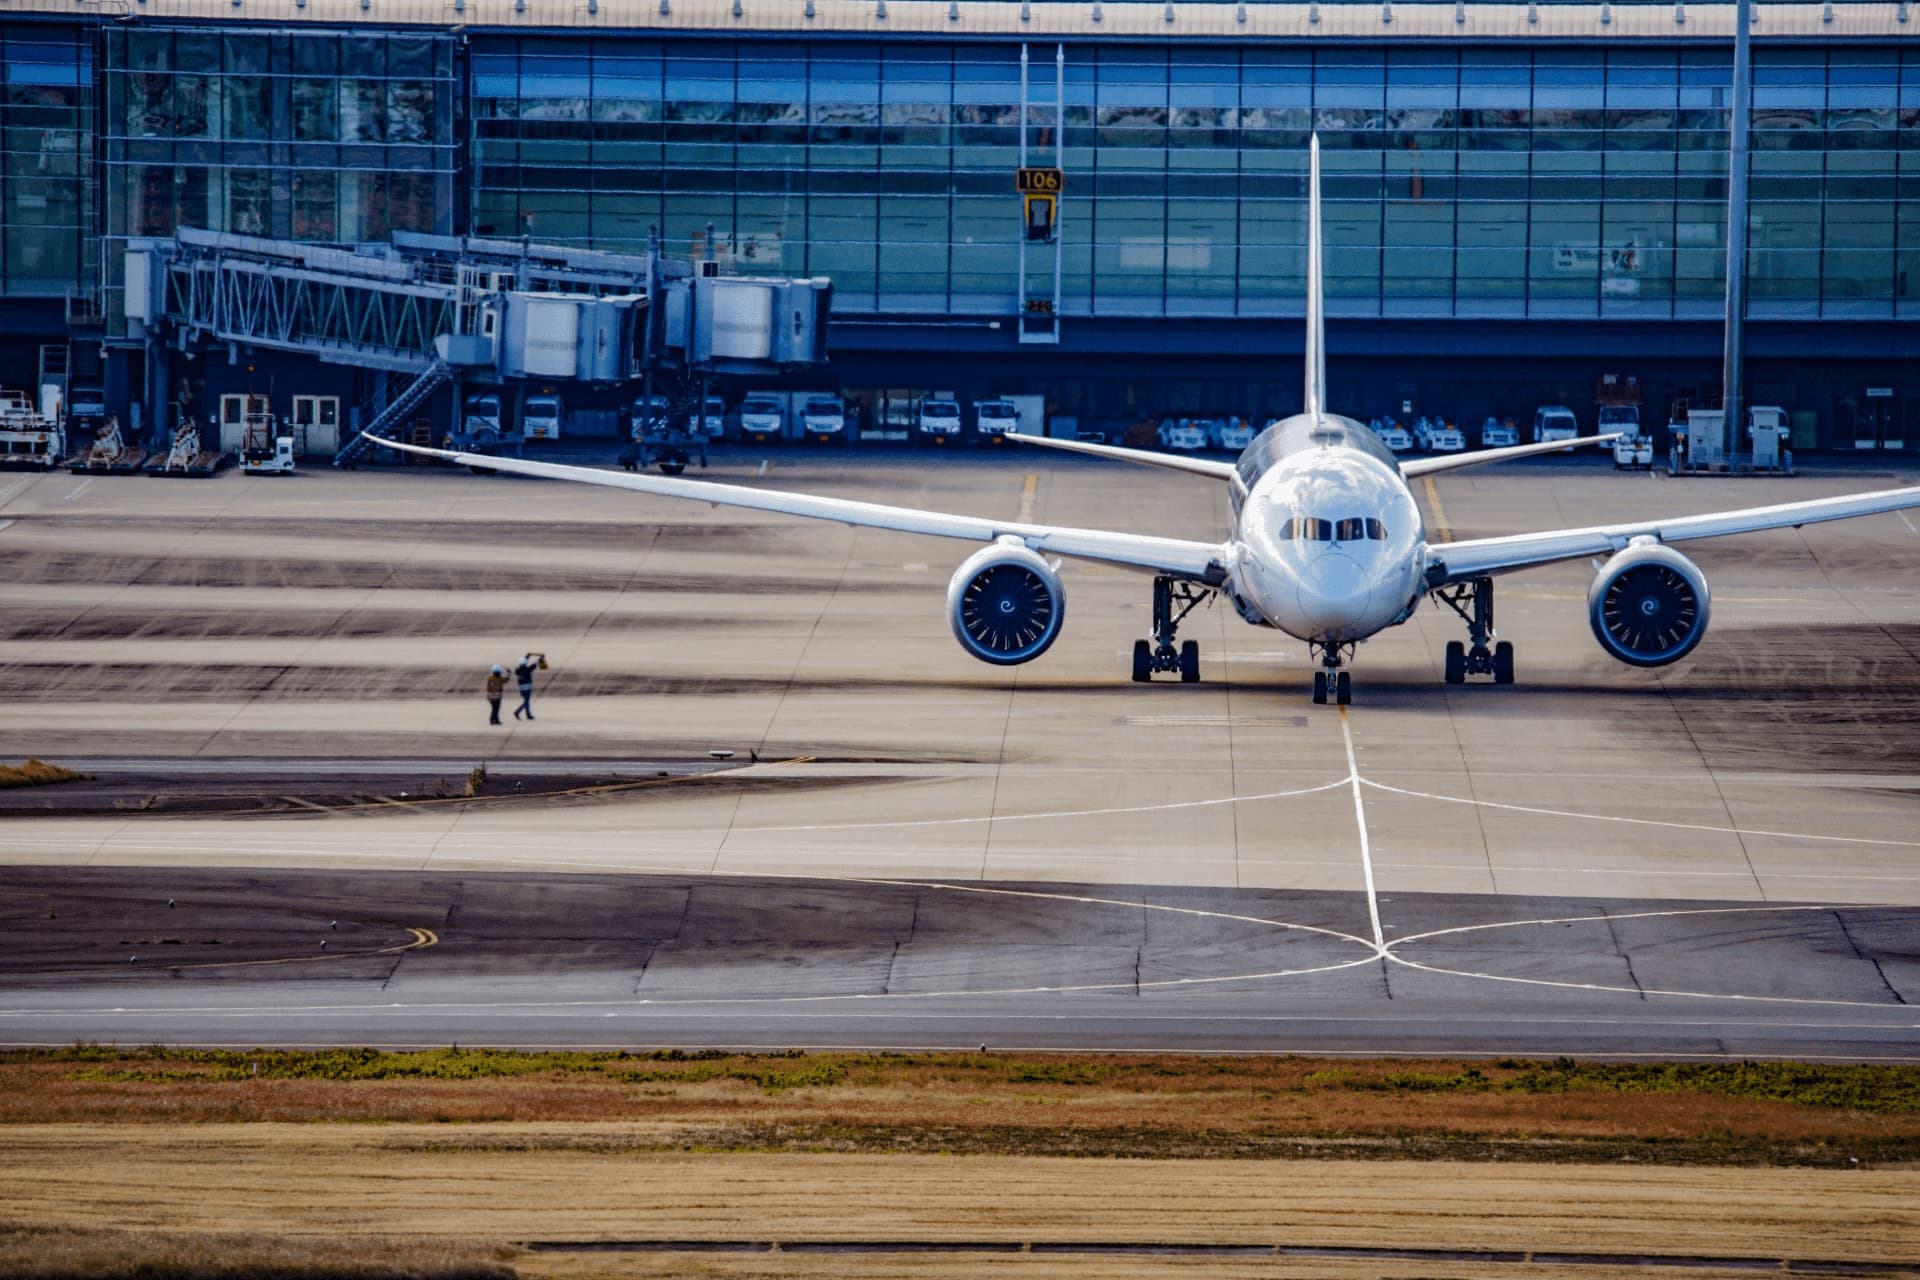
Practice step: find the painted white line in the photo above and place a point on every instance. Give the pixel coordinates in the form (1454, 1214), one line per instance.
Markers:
(1906, 522)
(5, 524)
(79, 489)
(1641, 915)
(1036, 817)
(6, 494)
(1640, 822)
(1360, 820)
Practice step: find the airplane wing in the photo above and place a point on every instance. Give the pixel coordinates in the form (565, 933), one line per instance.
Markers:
(1201, 561)
(1479, 457)
(1170, 461)
(1479, 556)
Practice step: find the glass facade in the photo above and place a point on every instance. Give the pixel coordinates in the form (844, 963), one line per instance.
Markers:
(1503, 181)
(300, 133)
(46, 171)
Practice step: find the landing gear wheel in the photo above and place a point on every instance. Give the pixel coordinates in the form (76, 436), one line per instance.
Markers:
(671, 468)
(1456, 662)
(1320, 688)
(1343, 687)
(1190, 662)
(1142, 662)
(1503, 662)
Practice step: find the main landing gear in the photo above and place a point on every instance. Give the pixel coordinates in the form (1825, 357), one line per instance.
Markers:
(1159, 654)
(1332, 678)
(1473, 601)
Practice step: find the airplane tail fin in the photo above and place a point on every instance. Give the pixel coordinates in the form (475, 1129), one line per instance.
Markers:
(1316, 382)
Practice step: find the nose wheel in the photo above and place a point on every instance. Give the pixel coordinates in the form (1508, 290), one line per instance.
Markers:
(1332, 680)
(1173, 600)
(1473, 601)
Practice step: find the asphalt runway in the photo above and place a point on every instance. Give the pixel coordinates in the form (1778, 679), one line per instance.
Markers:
(1727, 848)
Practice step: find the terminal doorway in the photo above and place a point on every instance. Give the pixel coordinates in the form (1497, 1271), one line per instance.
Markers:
(1877, 423)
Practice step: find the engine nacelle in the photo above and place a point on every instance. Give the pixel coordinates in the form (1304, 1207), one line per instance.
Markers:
(1649, 604)
(1006, 604)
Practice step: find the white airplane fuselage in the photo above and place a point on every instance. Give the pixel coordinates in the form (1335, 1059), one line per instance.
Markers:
(1327, 542)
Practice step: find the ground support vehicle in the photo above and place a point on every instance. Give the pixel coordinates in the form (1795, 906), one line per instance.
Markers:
(483, 428)
(993, 419)
(938, 422)
(109, 454)
(1554, 422)
(1633, 453)
(1183, 435)
(1231, 434)
(188, 458)
(762, 418)
(540, 417)
(1499, 433)
(664, 437)
(29, 440)
(1444, 437)
(265, 450)
(1392, 434)
(712, 422)
(823, 419)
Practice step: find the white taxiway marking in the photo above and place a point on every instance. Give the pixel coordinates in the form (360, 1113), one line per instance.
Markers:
(1906, 522)
(1640, 822)
(79, 489)
(6, 494)
(1360, 819)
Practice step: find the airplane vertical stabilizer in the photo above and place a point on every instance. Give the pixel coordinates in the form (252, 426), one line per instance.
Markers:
(1316, 384)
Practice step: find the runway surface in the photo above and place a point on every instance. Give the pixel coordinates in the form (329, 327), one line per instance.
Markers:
(644, 961)
(268, 678)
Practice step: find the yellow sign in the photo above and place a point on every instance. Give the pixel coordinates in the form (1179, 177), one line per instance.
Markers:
(1040, 181)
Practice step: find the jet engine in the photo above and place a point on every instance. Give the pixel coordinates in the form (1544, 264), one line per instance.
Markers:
(1648, 606)
(1006, 604)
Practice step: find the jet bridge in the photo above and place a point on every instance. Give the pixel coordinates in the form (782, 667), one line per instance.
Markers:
(427, 310)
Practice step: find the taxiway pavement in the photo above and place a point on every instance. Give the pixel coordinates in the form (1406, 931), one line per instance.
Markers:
(230, 629)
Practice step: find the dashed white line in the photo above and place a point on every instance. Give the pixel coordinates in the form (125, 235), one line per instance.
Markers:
(79, 489)
(1906, 522)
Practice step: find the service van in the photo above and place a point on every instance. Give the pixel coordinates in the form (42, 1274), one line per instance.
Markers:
(540, 418)
(938, 421)
(993, 419)
(1554, 422)
(762, 418)
(823, 418)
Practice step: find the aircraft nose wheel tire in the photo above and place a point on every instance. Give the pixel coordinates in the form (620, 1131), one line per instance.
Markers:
(1456, 662)
(1142, 662)
(1503, 662)
(1320, 688)
(1190, 662)
(1343, 687)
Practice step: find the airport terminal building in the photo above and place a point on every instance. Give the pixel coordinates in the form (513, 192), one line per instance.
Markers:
(1520, 197)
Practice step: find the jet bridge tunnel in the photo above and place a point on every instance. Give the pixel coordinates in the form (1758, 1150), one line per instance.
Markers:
(427, 312)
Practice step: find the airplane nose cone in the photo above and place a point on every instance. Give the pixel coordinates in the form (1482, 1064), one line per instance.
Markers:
(1333, 593)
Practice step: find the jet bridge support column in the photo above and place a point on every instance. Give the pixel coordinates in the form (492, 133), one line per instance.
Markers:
(1732, 372)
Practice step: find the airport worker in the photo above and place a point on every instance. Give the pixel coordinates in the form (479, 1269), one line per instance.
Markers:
(496, 688)
(523, 676)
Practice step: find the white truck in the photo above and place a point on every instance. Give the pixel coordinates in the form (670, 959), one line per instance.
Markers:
(481, 428)
(1445, 437)
(1392, 434)
(1634, 449)
(1554, 422)
(762, 418)
(540, 417)
(823, 418)
(938, 421)
(993, 419)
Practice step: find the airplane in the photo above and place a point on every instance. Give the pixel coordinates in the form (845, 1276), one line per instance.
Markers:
(1326, 543)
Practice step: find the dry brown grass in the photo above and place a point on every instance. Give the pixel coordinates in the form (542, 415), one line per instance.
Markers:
(107, 1253)
(1140, 1106)
(35, 773)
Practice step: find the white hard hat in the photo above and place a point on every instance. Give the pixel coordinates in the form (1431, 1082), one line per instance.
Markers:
(498, 669)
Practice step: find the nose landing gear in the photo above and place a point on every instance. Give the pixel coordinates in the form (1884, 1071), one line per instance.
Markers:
(1160, 654)
(1463, 661)
(1332, 678)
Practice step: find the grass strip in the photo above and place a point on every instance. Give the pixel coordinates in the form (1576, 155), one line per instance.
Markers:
(66, 1253)
(35, 773)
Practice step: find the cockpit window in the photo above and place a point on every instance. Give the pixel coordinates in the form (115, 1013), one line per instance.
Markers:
(1314, 529)
(1352, 530)
(1317, 529)
(1375, 530)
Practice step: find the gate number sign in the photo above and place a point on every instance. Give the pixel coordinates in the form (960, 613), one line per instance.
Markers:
(1040, 181)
